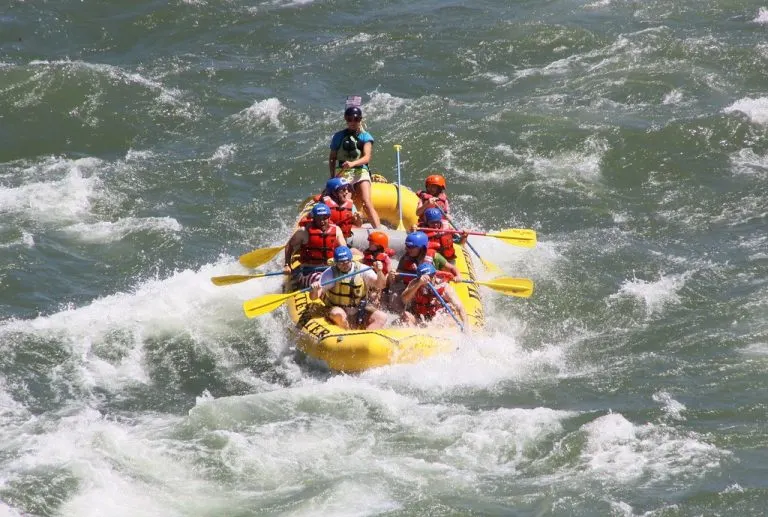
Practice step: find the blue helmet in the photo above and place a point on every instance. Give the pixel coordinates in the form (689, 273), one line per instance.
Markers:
(433, 214)
(321, 210)
(416, 240)
(342, 254)
(334, 184)
(425, 268)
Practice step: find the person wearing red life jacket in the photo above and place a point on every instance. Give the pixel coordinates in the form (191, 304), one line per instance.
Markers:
(378, 250)
(433, 196)
(418, 250)
(422, 302)
(433, 218)
(315, 242)
(338, 197)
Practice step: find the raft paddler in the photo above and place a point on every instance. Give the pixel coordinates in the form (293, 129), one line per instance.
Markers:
(433, 218)
(433, 196)
(378, 250)
(347, 299)
(418, 250)
(425, 302)
(316, 242)
(339, 199)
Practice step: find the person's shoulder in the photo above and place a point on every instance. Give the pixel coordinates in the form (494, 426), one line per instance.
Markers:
(365, 136)
(337, 137)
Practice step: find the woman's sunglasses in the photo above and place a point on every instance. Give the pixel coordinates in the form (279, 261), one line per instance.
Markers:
(353, 119)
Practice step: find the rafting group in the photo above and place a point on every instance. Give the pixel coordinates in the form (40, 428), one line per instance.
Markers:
(366, 282)
(366, 253)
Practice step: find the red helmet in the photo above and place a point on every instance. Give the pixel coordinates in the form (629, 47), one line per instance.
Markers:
(379, 239)
(435, 179)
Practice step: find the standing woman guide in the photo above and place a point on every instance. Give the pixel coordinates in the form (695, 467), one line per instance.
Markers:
(351, 151)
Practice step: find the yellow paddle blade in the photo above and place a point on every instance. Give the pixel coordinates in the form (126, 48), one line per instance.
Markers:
(522, 287)
(232, 279)
(490, 266)
(517, 237)
(264, 304)
(259, 257)
(236, 279)
(304, 203)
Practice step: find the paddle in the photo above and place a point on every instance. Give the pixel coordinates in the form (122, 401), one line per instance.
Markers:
(520, 287)
(487, 264)
(236, 279)
(260, 256)
(269, 302)
(445, 305)
(400, 225)
(304, 203)
(514, 236)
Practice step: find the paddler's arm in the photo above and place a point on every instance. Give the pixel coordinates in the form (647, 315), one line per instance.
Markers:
(294, 242)
(441, 264)
(364, 159)
(413, 286)
(381, 279)
(340, 240)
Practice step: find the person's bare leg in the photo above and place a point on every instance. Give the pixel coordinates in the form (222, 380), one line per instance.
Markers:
(363, 190)
(408, 319)
(376, 320)
(339, 317)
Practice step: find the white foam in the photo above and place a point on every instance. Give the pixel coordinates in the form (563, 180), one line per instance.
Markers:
(483, 361)
(580, 165)
(755, 109)
(618, 451)
(598, 4)
(7, 511)
(27, 240)
(672, 408)
(122, 468)
(654, 295)
(62, 200)
(762, 16)
(265, 112)
(224, 153)
(756, 350)
(452, 445)
(164, 95)
(384, 106)
(748, 162)
(673, 97)
(106, 232)
(187, 303)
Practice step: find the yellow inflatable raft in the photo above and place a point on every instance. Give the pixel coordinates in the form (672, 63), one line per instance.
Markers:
(357, 350)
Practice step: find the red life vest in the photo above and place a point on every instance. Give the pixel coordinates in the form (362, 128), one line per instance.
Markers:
(409, 264)
(341, 215)
(320, 245)
(425, 303)
(442, 202)
(370, 257)
(443, 242)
